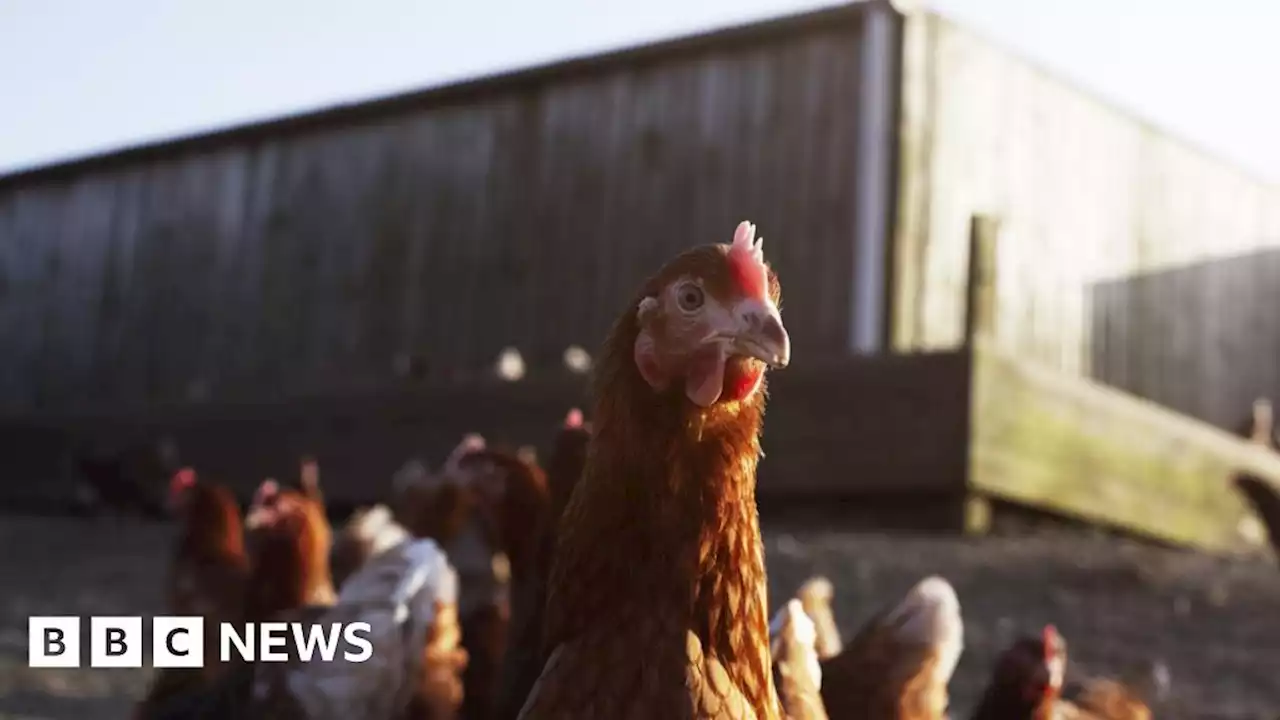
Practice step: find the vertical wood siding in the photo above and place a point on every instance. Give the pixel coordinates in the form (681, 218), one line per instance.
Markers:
(305, 261)
(1086, 194)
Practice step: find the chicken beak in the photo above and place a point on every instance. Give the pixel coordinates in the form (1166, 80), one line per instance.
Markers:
(760, 333)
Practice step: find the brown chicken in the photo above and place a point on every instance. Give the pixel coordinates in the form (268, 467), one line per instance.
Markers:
(1105, 699)
(797, 670)
(513, 502)
(435, 505)
(901, 661)
(206, 578)
(484, 506)
(525, 657)
(1027, 680)
(289, 545)
(656, 606)
(440, 691)
(515, 492)
(568, 458)
(209, 566)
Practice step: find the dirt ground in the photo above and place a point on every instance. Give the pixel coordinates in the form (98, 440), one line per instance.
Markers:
(1214, 623)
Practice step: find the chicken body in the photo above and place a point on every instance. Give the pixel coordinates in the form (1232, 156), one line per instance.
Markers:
(656, 605)
(1261, 494)
(368, 533)
(485, 507)
(1027, 681)
(407, 595)
(901, 661)
(525, 657)
(289, 547)
(797, 670)
(815, 599)
(1107, 699)
(207, 578)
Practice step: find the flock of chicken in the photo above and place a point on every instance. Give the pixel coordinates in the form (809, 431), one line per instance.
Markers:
(626, 580)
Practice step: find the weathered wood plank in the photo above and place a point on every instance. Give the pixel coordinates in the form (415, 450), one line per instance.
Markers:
(1065, 445)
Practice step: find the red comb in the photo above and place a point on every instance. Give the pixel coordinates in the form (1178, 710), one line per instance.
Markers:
(573, 419)
(266, 491)
(746, 262)
(1050, 638)
(184, 478)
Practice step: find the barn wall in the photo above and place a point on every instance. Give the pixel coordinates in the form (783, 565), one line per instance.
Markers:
(1214, 321)
(1086, 194)
(290, 262)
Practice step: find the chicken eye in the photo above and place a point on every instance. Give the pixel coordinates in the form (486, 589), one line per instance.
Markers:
(690, 298)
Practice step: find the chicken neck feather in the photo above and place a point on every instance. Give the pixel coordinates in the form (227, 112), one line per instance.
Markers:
(664, 527)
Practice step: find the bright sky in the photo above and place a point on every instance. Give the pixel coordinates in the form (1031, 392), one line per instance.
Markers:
(81, 76)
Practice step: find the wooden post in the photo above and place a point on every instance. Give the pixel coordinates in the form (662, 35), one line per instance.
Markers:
(980, 302)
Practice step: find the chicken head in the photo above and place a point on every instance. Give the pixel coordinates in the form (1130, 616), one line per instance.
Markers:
(713, 326)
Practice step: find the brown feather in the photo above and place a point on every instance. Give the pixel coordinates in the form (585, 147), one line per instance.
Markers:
(657, 601)
(207, 578)
(525, 657)
(1023, 684)
(900, 662)
(290, 559)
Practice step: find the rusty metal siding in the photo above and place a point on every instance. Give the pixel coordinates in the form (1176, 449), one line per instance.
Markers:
(306, 259)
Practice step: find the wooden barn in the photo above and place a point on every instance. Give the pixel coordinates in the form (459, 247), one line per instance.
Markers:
(342, 282)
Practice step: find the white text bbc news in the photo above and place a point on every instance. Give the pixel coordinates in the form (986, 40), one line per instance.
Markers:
(178, 642)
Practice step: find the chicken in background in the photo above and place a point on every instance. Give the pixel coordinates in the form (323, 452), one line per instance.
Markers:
(480, 503)
(815, 597)
(513, 498)
(568, 458)
(900, 663)
(289, 542)
(1263, 496)
(657, 603)
(1142, 690)
(209, 567)
(207, 578)
(525, 657)
(1027, 680)
(797, 670)
(448, 507)
(369, 532)
(1105, 699)
(433, 505)
(514, 491)
(528, 454)
(408, 595)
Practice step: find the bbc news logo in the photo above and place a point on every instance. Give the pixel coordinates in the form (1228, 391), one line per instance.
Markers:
(178, 642)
